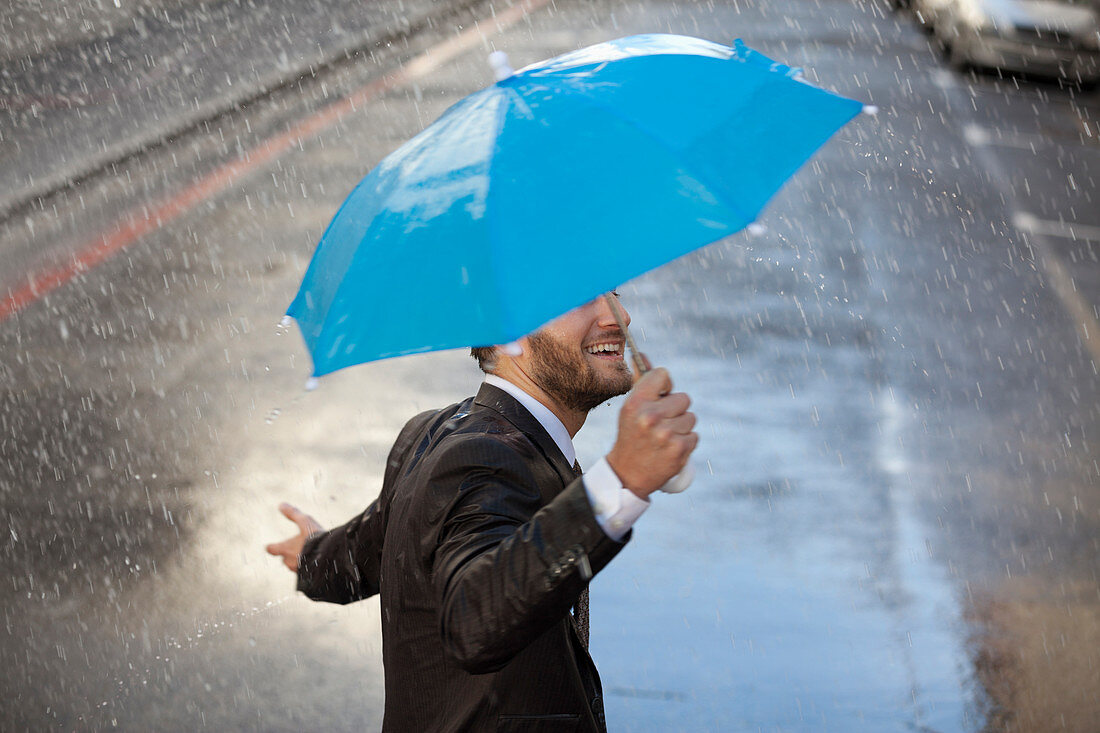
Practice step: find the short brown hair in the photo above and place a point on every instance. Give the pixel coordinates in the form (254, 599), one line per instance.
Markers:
(486, 357)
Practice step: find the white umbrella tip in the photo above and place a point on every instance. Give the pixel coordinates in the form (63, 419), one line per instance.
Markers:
(312, 383)
(681, 481)
(870, 109)
(498, 62)
(757, 229)
(285, 321)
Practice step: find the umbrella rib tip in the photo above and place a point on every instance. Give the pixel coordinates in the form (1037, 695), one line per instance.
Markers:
(498, 62)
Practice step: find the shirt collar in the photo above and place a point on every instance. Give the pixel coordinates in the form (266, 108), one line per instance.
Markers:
(549, 421)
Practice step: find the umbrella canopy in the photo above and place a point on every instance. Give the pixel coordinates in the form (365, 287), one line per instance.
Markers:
(552, 186)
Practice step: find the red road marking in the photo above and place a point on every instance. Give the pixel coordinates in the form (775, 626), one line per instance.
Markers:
(135, 225)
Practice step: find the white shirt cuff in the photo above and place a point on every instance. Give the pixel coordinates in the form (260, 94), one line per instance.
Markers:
(616, 507)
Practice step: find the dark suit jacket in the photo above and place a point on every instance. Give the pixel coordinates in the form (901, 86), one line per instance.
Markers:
(479, 543)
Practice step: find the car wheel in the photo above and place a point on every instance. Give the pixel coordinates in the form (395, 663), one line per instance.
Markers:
(942, 39)
(956, 57)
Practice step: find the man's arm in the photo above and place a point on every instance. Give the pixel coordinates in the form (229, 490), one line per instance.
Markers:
(505, 569)
(342, 565)
(338, 565)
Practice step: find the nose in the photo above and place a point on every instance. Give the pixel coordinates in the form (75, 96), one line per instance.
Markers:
(608, 304)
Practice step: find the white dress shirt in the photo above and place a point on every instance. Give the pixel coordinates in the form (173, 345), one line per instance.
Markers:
(616, 507)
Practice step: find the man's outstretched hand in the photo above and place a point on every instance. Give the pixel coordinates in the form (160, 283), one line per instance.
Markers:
(291, 549)
(655, 434)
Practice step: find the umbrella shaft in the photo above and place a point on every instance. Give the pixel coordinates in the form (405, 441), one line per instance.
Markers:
(682, 480)
(635, 355)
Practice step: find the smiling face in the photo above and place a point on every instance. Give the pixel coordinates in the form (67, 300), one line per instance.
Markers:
(577, 359)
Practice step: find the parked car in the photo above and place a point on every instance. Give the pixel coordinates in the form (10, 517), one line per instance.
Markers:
(927, 12)
(1045, 37)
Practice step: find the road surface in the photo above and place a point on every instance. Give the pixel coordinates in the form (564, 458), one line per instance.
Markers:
(895, 520)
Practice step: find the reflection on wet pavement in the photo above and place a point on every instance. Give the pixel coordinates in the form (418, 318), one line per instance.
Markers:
(894, 523)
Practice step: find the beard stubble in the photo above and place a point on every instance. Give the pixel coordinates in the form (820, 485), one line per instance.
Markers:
(565, 375)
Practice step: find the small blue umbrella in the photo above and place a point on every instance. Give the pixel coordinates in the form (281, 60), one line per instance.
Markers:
(553, 185)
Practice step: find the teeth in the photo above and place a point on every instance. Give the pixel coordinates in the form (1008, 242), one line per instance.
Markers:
(602, 348)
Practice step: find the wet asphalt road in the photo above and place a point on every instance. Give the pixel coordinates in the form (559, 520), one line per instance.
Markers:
(79, 105)
(895, 523)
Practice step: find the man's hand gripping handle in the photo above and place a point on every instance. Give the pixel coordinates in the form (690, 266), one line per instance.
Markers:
(683, 479)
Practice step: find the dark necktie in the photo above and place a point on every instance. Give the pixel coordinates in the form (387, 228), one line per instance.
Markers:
(580, 611)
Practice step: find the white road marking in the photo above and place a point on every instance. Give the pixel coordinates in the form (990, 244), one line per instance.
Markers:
(1082, 314)
(920, 578)
(945, 79)
(1063, 229)
(978, 135)
(1039, 232)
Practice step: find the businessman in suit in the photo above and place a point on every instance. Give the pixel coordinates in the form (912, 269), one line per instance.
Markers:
(485, 535)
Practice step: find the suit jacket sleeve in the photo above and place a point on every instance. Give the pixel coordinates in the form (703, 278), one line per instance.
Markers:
(343, 564)
(506, 568)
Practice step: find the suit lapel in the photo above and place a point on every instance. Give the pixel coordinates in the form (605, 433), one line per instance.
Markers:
(511, 410)
(499, 401)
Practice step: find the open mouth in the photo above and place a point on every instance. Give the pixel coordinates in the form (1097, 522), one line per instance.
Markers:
(610, 350)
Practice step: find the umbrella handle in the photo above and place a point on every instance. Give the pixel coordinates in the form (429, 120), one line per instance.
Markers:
(682, 480)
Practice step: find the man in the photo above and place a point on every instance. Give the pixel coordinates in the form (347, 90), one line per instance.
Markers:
(485, 536)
